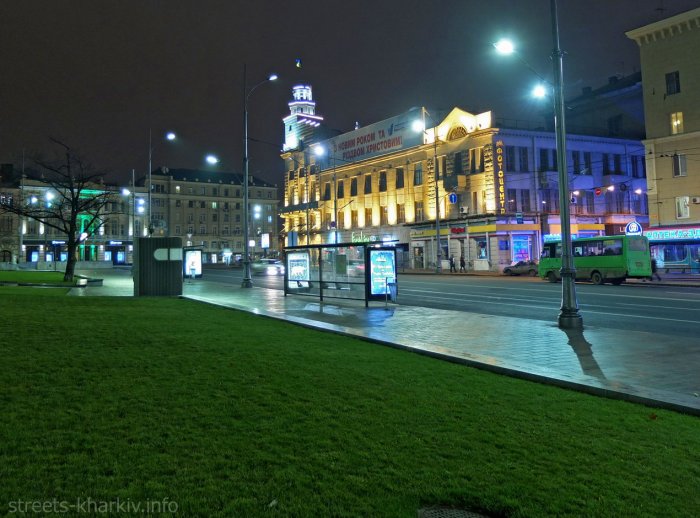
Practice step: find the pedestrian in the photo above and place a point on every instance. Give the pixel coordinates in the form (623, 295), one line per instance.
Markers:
(654, 273)
(462, 265)
(453, 269)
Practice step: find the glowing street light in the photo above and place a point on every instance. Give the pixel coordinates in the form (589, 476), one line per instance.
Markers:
(419, 126)
(569, 316)
(212, 159)
(247, 277)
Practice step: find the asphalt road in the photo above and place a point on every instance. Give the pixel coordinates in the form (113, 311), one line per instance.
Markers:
(671, 310)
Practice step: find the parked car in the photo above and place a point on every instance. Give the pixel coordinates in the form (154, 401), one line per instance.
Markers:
(267, 267)
(521, 268)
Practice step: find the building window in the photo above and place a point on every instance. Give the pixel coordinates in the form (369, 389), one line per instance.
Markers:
(676, 123)
(382, 181)
(457, 165)
(638, 166)
(384, 216)
(341, 220)
(679, 165)
(548, 159)
(588, 163)
(353, 219)
(418, 174)
(202, 229)
(524, 159)
(525, 200)
(512, 200)
(368, 217)
(214, 205)
(617, 164)
(682, 209)
(399, 178)
(353, 187)
(400, 213)
(673, 83)
(419, 211)
(576, 161)
(368, 184)
(341, 189)
(510, 158)
(177, 230)
(476, 160)
(202, 218)
(190, 204)
(327, 191)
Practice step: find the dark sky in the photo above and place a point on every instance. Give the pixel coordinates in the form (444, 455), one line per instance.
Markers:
(98, 74)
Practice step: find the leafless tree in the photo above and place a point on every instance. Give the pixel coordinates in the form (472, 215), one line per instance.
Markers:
(78, 194)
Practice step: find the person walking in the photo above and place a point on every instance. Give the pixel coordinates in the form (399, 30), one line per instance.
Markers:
(453, 269)
(462, 265)
(654, 272)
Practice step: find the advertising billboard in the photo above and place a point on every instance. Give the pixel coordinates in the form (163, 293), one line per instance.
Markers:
(382, 270)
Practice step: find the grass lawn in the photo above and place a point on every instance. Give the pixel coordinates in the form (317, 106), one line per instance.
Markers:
(37, 277)
(229, 414)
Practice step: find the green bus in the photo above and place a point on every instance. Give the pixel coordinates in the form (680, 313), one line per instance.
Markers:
(600, 259)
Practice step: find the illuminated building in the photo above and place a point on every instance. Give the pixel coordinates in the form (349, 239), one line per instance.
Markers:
(497, 188)
(670, 76)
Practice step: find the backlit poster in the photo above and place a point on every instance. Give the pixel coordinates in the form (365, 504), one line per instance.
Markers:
(382, 269)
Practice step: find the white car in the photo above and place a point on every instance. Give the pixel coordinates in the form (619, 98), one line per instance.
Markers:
(267, 267)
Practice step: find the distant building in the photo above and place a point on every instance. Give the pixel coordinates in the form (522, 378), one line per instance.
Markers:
(671, 78)
(204, 208)
(613, 110)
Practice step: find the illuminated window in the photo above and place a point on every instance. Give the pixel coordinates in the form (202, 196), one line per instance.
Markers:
(400, 213)
(676, 123)
(368, 217)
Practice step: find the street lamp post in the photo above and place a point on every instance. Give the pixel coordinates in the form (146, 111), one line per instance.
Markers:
(170, 136)
(420, 126)
(247, 278)
(569, 317)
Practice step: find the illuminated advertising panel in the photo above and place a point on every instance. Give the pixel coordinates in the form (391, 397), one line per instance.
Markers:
(382, 269)
(192, 265)
(298, 266)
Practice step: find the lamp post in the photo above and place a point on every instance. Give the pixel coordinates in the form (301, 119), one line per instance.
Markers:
(247, 279)
(569, 316)
(420, 126)
(170, 136)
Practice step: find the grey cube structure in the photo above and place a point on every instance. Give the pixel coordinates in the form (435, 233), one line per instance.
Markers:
(157, 269)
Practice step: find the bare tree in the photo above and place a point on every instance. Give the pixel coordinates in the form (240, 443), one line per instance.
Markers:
(78, 194)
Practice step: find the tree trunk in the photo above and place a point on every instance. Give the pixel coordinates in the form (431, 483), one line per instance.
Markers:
(70, 263)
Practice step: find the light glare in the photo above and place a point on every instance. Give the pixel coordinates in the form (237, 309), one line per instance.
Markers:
(504, 46)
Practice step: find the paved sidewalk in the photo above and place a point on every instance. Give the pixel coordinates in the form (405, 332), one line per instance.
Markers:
(654, 369)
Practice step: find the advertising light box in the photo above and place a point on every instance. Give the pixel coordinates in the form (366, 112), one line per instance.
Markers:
(382, 269)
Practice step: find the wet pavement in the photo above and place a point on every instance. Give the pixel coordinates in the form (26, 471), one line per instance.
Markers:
(649, 368)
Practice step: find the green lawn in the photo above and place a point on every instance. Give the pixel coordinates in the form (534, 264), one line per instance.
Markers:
(36, 277)
(230, 414)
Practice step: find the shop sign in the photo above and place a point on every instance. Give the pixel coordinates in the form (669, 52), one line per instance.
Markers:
(500, 179)
(633, 229)
(671, 234)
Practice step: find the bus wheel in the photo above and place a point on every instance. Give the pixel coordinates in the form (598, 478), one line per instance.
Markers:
(596, 278)
(619, 281)
(552, 277)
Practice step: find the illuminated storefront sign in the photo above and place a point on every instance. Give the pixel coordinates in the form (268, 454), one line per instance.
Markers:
(633, 229)
(361, 237)
(672, 234)
(500, 179)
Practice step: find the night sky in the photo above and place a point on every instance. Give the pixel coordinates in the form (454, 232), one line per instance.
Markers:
(98, 74)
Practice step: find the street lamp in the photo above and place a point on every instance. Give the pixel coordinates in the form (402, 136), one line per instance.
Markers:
(169, 136)
(569, 316)
(247, 279)
(419, 125)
